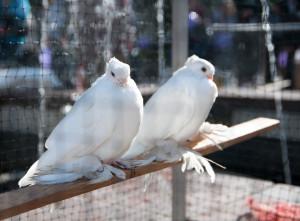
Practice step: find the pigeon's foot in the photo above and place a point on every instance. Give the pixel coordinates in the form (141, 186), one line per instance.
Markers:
(115, 171)
(195, 161)
(106, 173)
(131, 164)
(99, 176)
(96, 174)
(166, 151)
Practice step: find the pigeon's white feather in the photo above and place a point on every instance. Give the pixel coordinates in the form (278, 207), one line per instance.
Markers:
(209, 128)
(99, 127)
(86, 127)
(54, 178)
(175, 113)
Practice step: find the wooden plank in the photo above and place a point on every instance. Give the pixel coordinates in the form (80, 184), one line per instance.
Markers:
(22, 200)
(236, 134)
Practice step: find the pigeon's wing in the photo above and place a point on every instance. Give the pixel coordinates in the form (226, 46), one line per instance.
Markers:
(161, 112)
(89, 124)
(181, 104)
(160, 119)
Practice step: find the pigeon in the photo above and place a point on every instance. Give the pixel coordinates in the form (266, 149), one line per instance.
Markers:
(98, 130)
(174, 114)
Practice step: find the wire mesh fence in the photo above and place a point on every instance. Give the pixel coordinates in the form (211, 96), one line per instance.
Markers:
(232, 197)
(124, 201)
(51, 51)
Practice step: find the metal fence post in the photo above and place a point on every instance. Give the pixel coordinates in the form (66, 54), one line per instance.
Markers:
(179, 55)
(178, 194)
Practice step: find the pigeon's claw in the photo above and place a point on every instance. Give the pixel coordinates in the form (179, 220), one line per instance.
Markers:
(117, 172)
(192, 160)
(100, 176)
(106, 173)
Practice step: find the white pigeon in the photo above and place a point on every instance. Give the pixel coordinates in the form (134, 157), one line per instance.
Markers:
(174, 114)
(98, 129)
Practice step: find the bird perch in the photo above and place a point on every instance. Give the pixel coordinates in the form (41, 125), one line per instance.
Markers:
(22, 200)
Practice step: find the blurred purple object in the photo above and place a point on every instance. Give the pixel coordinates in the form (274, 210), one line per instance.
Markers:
(194, 19)
(144, 41)
(45, 58)
(223, 40)
(283, 59)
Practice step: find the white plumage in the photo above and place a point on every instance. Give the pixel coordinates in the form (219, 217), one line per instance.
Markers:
(99, 128)
(174, 114)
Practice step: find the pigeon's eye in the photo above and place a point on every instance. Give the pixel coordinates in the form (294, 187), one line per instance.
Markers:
(113, 74)
(203, 69)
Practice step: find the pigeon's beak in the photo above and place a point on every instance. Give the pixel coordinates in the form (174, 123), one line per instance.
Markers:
(123, 82)
(210, 77)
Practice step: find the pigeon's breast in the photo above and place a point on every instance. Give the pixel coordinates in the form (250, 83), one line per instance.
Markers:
(128, 122)
(201, 95)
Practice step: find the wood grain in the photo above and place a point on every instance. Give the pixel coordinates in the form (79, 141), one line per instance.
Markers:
(22, 200)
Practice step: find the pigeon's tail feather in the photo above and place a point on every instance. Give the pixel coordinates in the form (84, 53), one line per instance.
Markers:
(35, 176)
(218, 130)
(27, 179)
(57, 178)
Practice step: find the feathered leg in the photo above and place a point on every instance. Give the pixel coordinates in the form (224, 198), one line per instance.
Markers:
(163, 151)
(129, 161)
(131, 164)
(193, 160)
(171, 151)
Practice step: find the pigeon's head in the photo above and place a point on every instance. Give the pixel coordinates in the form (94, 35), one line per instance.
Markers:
(118, 71)
(200, 65)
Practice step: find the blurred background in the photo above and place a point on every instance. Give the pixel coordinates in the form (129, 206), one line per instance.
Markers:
(52, 50)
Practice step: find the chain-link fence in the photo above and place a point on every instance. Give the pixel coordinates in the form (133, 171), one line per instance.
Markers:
(52, 50)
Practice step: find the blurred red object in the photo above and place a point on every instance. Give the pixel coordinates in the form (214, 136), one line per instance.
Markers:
(274, 211)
